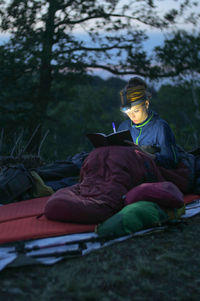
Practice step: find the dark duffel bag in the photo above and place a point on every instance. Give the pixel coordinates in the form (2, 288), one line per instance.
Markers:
(14, 181)
(58, 170)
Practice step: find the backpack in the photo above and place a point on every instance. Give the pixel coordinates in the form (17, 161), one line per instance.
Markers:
(14, 181)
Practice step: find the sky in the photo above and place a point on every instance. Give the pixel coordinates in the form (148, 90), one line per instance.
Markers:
(155, 37)
(3, 38)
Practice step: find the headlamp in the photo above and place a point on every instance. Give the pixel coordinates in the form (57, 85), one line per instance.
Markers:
(128, 106)
(128, 103)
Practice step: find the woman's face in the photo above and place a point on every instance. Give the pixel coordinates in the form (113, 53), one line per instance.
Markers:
(138, 113)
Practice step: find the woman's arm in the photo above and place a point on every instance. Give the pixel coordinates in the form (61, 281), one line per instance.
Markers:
(131, 143)
(168, 155)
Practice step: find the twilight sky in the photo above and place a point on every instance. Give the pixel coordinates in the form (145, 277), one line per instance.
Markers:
(156, 37)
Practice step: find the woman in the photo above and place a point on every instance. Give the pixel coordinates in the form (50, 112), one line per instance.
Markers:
(148, 130)
(109, 172)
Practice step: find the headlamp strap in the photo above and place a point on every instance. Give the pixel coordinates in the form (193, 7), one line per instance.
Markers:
(124, 96)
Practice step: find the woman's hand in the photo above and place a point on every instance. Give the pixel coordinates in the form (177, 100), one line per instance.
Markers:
(131, 143)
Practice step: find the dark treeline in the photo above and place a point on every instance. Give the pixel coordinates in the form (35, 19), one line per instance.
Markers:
(83, 104)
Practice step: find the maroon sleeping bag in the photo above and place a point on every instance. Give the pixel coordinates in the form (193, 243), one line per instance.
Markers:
(107, 174)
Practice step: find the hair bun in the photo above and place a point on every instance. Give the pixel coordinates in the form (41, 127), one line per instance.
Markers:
(136, 81)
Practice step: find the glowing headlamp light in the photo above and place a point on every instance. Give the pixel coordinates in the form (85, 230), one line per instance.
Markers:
(126, 108)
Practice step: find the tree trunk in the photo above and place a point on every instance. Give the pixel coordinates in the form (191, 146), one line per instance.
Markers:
(45, 80)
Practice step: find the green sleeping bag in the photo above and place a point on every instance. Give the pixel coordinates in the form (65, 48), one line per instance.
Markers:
(132, 218)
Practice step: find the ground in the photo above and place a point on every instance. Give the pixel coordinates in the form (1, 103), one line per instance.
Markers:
(158, 267)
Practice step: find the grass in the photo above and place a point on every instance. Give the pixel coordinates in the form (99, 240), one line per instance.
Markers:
(158, 267)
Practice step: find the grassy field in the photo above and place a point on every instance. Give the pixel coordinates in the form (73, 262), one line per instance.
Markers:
(162, 266)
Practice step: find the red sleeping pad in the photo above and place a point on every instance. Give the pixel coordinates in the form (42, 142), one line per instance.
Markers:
(20, 221)
(22, 209)
(190, 198)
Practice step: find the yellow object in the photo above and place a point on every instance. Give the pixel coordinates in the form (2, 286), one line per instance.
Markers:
(39, 188)
(135, 93)
(175, 213)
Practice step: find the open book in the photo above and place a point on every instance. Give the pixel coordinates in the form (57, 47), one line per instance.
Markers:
(117, 138)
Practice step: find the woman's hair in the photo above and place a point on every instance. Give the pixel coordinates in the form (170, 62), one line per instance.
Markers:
(135, 92)
(136, 81)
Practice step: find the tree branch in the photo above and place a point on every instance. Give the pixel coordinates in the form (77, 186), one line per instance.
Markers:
(105, 16)
(116, 46)
(42, 142)
(115, 70)
(146, 73)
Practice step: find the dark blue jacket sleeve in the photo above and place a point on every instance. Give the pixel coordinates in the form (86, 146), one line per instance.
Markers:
(168, 155)
(123, 126)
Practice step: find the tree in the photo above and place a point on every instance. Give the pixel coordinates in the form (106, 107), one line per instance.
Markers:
(44, 34)
(92, 107)
(180, 54)
(180, 57)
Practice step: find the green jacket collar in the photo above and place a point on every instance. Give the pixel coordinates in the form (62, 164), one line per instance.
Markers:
(150, 116)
